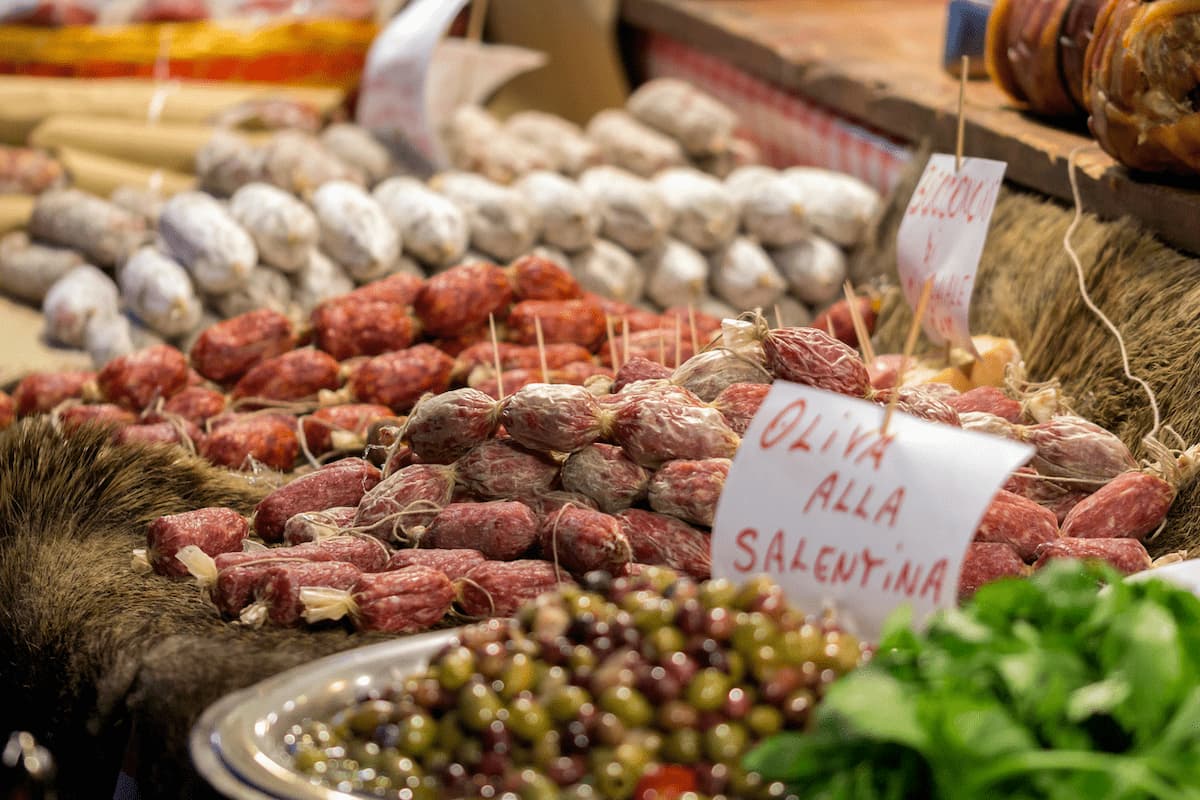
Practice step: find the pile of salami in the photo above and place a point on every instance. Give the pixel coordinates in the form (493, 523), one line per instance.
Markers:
(289, 219)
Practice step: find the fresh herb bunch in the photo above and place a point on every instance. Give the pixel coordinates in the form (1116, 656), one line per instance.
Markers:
(1044, 688)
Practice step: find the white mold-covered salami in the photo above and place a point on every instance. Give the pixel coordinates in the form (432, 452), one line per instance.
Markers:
(553, 254)
(607, 270)
(476, 141)
(103, 232)
(563, 141)
(744, 276)
(632, 210)
(705, 215)
(569, 218)
(716, 307)
(839, 207)
(432, 227)
(29, 269)
(627, 143)
(83, 293)
(355, 231)
(201, 235)
(408, 266)
(158, 290)
(815, 269)
(108, 337)
(744, 180)
(698, 121)
(354, 145)
(774, 212)
(739, 153)
(676, 274)
(141, 201)
(792, 313)
(284, 229)
(320, 280)
(227, 163)
(503, 225)
(300, 164)
(266, 288)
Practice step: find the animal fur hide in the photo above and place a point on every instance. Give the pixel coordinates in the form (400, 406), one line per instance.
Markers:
(91, 652)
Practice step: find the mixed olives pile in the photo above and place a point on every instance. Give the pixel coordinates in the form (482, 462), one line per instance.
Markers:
(650, 686)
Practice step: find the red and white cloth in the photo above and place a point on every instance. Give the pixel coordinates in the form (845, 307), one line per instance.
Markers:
(788, 129)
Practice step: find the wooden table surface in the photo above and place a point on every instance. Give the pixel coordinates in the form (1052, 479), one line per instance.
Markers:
(879, 61)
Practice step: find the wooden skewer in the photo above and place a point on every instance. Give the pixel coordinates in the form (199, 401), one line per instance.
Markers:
(678, 342)
(829, 326)
(860, 326)
(612, 342)
(541, 345)
(962, 120)
(475, 19)
(778, 316)
(496, 357)
(909, 344)
(625, 340)
(662, 347)
(692, 328)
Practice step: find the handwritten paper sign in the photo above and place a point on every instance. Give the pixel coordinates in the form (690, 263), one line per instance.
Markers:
(392, 97)
(942, 235)
(836, 512)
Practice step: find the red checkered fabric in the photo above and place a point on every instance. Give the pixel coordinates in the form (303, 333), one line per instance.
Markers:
(789, 129)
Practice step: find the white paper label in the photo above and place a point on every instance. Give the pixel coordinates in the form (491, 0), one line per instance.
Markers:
(942, 236)
(392, 96)
(837, 513)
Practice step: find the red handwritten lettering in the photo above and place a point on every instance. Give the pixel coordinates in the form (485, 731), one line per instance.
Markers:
(821, 566)
(746, 540)
(934, 580)
(775, 552)
(823, 492)
(771, 436)
(891, 508)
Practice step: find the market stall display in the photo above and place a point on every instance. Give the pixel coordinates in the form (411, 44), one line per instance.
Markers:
(335, 404)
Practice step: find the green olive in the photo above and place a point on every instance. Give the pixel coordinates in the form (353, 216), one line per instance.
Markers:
(616, 781)
(449, 730)
(528, 719)
(765, 720)
(803, 644)
(564, 703)
(478, 706)
(718, 593)
(666, 640)
(518, 676)
(546, 749)
(708, 689)
(753, 630)
(725, 742)
(684, 746)
(629, 705)
(306, 758)
(456, 668)
(536, 786)
(418, 734)
(370, 715)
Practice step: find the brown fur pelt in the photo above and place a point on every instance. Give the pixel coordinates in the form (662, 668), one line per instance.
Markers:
(92, 653)
(1027, 289)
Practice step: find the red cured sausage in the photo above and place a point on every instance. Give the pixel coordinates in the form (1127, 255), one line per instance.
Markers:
(341, 484)
(213, 530)
(227, 350)
(136, 379)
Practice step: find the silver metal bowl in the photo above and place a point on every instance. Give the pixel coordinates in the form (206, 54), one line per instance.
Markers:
(237, 744)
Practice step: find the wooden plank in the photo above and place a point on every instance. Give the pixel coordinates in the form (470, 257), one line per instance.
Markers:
(867, 60)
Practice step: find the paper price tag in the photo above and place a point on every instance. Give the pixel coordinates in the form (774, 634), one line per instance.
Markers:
(942, 235)
(836, 512)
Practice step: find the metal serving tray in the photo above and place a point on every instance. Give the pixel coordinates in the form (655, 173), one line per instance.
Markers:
(237, 744)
